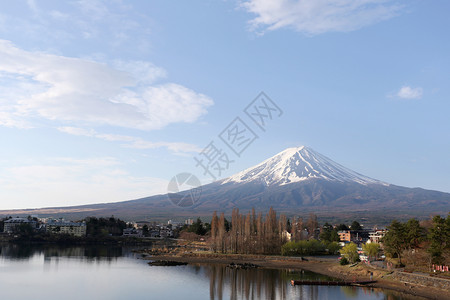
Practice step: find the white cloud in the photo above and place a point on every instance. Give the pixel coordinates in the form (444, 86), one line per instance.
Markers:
(131, 141)
(313, 17)
(407, 92)
(81, 91)
(68, 181)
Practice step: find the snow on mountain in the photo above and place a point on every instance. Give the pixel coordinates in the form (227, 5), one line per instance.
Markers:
(298, 164)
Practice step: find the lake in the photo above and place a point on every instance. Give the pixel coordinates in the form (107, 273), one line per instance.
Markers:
(105, 272)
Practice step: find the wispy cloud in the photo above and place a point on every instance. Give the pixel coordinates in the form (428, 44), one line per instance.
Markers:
(131, 141)
(59, 88)
(116, 22)
(407, 92)
(93, 180)
(318, 16)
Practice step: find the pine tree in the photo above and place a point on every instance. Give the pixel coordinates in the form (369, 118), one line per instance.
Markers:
(395, 240)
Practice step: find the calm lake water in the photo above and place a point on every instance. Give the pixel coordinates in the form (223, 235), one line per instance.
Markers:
(117, 273)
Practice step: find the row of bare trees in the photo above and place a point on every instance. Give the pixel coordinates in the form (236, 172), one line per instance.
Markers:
(252, 234)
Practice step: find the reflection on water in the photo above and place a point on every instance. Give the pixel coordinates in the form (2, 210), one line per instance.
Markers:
(25, 252)
(255, 283)
(230, 283)
(105, 272)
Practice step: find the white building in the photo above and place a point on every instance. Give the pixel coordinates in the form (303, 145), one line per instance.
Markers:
(11, 225)
(132, 232)
(165, 233)
(66, 227)
(377, 235)
(286, 235)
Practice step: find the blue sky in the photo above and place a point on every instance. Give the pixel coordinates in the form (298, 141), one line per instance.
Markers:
(104, 101)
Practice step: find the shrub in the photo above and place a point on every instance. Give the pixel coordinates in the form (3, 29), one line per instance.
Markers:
(350, 251)
(343, 261)
(333, 247)
(300, 248)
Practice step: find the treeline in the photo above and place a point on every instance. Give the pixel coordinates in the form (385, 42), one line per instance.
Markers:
(426, 242)
(253, 233)
(309, 247)
(248, 233)
(199, 228)
(97, 227)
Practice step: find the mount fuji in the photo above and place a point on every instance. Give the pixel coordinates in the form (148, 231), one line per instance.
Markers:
(296, 165)
(295, 181)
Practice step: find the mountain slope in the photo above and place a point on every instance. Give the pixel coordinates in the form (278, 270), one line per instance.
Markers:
(295, 181)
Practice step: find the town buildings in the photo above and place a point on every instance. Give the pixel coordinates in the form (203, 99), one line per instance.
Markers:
(376, 235)
(66, 227)
(132, 232)
(12, 225)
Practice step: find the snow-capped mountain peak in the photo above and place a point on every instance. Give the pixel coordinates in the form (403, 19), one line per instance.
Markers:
(298, 164)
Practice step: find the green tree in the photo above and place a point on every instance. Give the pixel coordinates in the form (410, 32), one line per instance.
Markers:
(343, 261)
(197, 227)
(356, 226)
(438, 237)
(395, 240)
(25, 230)
(341, 227)
(350, 251)
(333, 247)
(414, 233)
(447, 232)
(145, 230)
(304, 247)
(328, 234)
(325, 232)
(371, 249)
(227, 224)
(104, 226)
(334, 236)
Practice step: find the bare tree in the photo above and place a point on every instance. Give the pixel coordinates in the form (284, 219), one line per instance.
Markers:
(312, 225)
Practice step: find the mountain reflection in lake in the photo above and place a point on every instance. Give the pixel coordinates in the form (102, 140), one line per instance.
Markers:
(104, 272)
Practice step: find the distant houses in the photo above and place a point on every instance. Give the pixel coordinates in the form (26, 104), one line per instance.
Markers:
(132, 232)
(33, 225)
(152, 229)
(66, 227)
(60, 226)
(12, 225)
(376, 235)
(361, 236)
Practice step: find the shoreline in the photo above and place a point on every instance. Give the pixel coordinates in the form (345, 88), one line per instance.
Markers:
(322, 266)
(66, 240)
